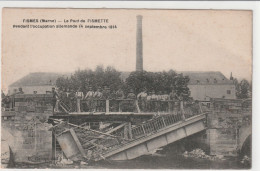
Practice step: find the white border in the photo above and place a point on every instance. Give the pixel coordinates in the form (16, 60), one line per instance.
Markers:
(242, 5)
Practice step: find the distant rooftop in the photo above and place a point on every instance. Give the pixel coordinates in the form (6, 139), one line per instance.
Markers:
(211, 77)
(38, 78)
(49, 78)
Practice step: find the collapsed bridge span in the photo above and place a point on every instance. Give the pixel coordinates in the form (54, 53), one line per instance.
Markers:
(124, 141)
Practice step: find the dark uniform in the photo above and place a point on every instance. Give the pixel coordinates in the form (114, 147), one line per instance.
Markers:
(120, 94)
(142, 100)
(72, 101)
(131, 104)
(90, 97)
(97, 100)
(113, 103)
(54, 99)
(106, 93)
(173, 96)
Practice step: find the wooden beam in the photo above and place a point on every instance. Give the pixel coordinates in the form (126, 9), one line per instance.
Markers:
(98, 132)
(77, 142)
(108, 132)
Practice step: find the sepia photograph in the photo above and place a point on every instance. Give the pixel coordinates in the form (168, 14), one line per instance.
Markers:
(126, 88)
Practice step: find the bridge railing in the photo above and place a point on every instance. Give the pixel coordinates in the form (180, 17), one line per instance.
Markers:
(121, 105)
(111, 105)
(156, 124)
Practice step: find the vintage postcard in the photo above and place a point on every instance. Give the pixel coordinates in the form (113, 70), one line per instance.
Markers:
(126, 88)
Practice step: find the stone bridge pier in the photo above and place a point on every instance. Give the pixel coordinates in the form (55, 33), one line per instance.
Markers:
(229, 135)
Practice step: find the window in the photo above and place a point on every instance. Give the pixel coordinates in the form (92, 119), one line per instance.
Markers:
(228, 91)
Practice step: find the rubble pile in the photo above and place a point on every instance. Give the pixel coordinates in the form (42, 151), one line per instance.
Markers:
(93, 142)
(246, 160)
(199, 153)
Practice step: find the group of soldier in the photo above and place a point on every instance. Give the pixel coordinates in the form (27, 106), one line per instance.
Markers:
(8, 99)
(95, 100)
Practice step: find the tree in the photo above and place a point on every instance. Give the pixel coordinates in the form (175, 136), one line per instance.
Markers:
(243, 89)
(83, 79)
(181, 87)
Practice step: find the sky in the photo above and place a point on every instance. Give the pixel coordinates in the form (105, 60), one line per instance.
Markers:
(182, 40)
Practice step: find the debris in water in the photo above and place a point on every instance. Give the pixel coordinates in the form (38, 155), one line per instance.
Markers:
(246, 160)
(199, 153)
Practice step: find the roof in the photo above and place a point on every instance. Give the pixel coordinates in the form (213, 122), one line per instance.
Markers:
(38, 78)
(49, 78)
(197, 77)
(206, 78)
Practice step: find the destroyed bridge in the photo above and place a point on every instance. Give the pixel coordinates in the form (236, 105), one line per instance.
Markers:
(121, 130)
(122, 135)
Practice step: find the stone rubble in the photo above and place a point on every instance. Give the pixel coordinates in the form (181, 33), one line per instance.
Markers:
(246, 160)
(199, 153)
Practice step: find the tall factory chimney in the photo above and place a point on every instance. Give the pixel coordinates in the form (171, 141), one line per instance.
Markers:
(139, 44)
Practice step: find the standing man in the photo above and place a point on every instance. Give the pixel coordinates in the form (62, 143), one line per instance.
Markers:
(173, 97)
(131, 96)
(165, 98)
(142, 99)
(106, 93)
(20, 91)
(72, 100)
(113, 103)
(97, 97)
(149, 103)
(120, 94)
(54, 99)
(79, 96)
(154, 100)
(89, 97)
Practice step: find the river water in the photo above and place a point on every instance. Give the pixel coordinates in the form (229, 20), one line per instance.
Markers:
(174, 162)
(168, 158)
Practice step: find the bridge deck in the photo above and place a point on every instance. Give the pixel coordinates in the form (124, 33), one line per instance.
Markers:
(123, 141)
(162, 137)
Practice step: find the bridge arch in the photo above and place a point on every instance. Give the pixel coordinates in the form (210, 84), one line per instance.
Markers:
(245, 136)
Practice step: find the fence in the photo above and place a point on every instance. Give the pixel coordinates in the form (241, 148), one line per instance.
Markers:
(30, 103)
(120, 105)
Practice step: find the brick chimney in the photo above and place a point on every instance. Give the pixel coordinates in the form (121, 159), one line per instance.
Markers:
(139, 44)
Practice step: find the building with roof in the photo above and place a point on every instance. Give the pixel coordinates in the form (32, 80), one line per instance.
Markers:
(206, 85)
(38, 82)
